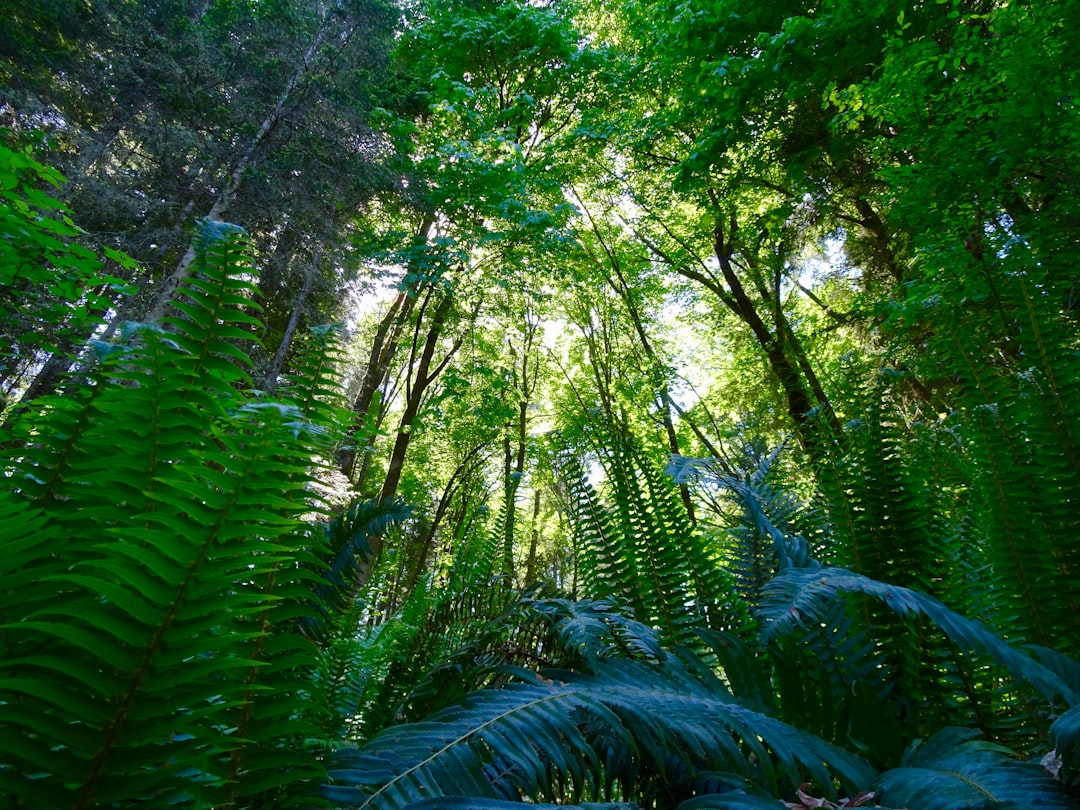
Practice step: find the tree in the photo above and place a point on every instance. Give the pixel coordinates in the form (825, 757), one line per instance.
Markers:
(258, 112)
(51, 285)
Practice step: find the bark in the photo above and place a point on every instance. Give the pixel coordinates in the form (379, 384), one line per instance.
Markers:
(424, 376)
(802, 388)
(247, 158)
(663, 392)
(383, 348)
(278, 363)
(414, 397)
(880, 237)
(513, 474)
(534, 540)
(453, 486)
(790, 372)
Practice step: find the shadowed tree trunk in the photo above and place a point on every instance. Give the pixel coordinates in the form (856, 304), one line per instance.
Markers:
(383, 348)
(309, 66)
(278, 363)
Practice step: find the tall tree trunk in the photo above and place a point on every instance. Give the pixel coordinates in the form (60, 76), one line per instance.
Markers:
(455, 484)
(663, 392)
(800, 402)
(248, 156)
(383, 347)
(534, 539)
(512, 479)
(278, 363)
(414, 397)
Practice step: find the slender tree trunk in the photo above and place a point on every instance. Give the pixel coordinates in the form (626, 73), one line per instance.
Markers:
(534, 539)
(278, 363)
(48, 377)
(383, 348)
(247, 158)
(62, 361)
(622, 289)
(415, 396)
(799, 402)
(663, 392)
(424, 376)
(457, 479)
(514, 470)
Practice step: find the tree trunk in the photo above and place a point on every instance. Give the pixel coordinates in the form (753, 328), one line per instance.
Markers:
(534, 539)
(278, 363)
(787, 371)
(457, 479)
(383, 348)
(247, 158)
(663, 392)
(414, 397)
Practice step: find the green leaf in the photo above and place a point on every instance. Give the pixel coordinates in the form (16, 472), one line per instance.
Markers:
(953, 771)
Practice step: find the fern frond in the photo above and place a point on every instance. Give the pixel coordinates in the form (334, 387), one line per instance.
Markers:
(347, 547)
(766, 538)
(454, 641)
(1065, 737)
(214, 303)
(731, 801)
(153, 618)
(954, 771)
(144, 650)
(610, 566)
(314, 383)
(802, 598)
(560, 738)
(594, 630)
(639, 547)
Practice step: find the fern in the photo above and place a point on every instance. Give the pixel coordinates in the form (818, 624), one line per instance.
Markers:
(642, 549)
(764, 534)
(459, 803)
(142, 649)
(449, 642)
(954, 771)
(875, 492)
(799, 598)
(314, 383)
(610, 567)
(347, 551)
(591, 631)
(628, 724)
(1011, 370)
(1065, 737)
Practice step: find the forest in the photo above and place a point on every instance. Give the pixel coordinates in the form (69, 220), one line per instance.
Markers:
(467, 404)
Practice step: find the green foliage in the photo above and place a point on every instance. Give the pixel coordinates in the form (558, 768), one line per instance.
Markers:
(953, 771)
(766, 537)
(183, 626)
(636, 722)
(314, 382)
(52, 288)
(801, 596)
(348, 547)
(150, 578)
(641, 548)
(587, 736)
(876, 494)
